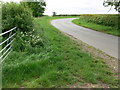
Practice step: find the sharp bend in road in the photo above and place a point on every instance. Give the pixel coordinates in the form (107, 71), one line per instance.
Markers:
(105, 42)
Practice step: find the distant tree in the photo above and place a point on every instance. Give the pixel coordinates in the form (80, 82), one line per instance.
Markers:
(37, 6)
(54, 13)
(115, 3)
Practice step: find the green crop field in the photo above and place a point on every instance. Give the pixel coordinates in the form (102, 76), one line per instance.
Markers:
(100, 22)
(58, 62)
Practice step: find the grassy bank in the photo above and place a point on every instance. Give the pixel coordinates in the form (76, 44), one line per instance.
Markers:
(97, 27)
(58, 64)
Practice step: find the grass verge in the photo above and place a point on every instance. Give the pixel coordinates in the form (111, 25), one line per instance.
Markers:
(58, 64)
(97, 27)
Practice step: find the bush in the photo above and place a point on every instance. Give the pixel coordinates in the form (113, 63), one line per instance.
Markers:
(16, 15)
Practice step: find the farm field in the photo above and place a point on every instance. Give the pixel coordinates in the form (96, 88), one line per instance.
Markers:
(104, 23)
(57, 63)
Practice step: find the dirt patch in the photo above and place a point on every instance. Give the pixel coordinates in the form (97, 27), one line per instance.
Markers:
(89, 85)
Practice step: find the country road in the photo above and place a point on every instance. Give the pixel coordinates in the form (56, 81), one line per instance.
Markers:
(106, 43)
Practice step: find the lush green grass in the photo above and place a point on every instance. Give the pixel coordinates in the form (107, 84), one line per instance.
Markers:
(97, 27)
(58, 64)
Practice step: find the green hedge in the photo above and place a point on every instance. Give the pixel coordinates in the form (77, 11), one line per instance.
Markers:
(16, 15)
(20, 16)
(103, 19)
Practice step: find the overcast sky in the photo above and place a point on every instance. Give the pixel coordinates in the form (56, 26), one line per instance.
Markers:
(75, 7)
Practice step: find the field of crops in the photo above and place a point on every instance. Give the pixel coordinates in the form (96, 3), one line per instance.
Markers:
(106, 23)
(102, 19)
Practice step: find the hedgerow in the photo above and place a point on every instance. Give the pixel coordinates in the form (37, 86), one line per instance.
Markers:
(20, 16)
(105, 19)
(16, 15)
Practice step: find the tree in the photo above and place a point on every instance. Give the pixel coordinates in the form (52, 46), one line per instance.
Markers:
(54, 13)
(37, 6)
(115, 3)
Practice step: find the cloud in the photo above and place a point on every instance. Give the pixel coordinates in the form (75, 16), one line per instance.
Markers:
(77, 7)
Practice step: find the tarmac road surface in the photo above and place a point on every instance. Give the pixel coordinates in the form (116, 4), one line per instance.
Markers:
(105, 42)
